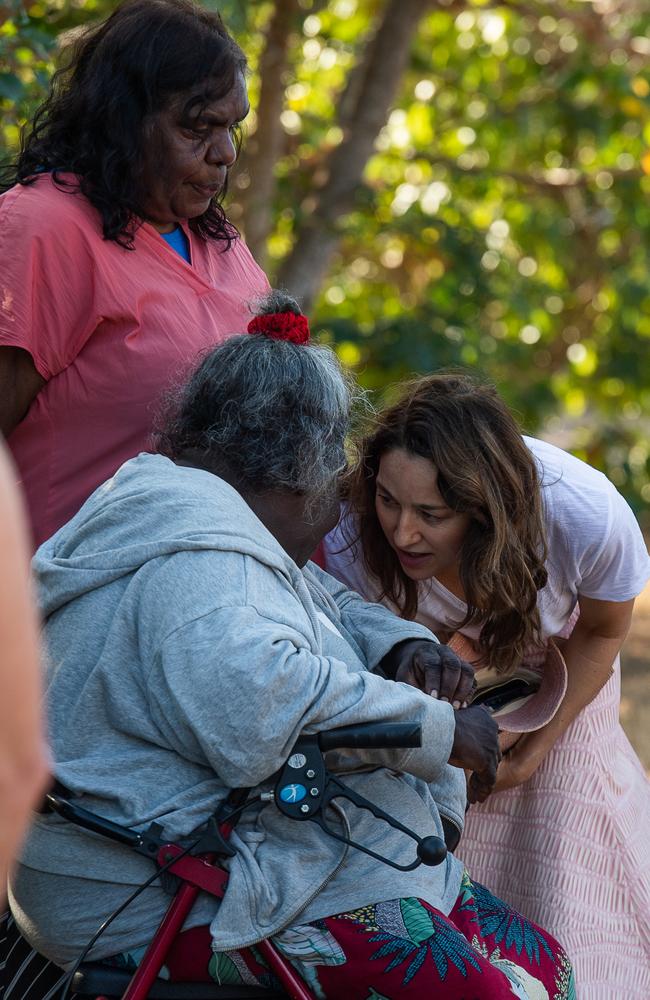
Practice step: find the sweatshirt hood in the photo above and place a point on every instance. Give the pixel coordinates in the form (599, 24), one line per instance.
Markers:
(150, 508)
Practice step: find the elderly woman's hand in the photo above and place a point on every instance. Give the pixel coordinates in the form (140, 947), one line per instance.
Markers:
(476, 749)
(432, 668)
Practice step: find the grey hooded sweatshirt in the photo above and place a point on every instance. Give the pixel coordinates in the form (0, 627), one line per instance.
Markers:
(187, 653)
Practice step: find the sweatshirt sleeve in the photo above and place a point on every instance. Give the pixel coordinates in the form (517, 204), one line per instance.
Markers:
(374, 627)
(236, 689)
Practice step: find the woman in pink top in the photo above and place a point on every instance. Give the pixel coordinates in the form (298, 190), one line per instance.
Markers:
(118, 263)
(457, 521)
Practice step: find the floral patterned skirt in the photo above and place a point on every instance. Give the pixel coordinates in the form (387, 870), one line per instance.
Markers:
(399, 949)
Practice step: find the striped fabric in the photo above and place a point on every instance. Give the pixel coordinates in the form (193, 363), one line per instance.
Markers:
(570, 849)
(24, 974)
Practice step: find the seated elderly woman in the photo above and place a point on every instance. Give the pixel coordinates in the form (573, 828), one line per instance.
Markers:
(191, 642)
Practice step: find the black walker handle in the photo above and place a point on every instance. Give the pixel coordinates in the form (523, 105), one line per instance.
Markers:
(372, 736)
(76, 814)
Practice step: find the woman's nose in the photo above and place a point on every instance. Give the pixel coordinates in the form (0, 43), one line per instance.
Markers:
(406, 530)
(222, 151)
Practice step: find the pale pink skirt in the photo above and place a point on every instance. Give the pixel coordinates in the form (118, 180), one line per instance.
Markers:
(570, 849)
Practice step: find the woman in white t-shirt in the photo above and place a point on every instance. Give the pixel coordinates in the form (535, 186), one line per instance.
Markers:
(512, 546)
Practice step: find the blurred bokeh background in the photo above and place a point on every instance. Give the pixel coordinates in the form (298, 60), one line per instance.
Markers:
(446, 183)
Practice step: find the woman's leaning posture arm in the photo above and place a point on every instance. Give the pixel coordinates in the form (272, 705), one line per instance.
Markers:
(590, 651)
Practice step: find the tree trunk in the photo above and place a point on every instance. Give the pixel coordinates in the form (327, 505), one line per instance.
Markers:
(266, 145)
(386, 57)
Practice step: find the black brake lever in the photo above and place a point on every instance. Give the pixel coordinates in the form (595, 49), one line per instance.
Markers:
(430, 850)
(305, 788)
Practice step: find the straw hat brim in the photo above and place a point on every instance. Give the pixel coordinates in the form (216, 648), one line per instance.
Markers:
(542, 706)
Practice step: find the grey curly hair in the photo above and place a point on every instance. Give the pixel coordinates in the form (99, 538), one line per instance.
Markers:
(273, 413)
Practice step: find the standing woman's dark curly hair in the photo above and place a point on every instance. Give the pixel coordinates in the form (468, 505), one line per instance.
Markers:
(484, 470)
(95, 122)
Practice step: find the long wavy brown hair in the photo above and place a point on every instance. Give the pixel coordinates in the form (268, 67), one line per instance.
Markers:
(484, 470)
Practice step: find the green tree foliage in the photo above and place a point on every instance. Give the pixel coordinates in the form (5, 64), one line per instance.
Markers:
(500, 217)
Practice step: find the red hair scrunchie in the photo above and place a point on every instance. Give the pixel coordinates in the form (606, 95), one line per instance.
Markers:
(281, 326)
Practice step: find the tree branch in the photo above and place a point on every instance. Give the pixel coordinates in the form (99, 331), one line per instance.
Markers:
(266, 145)
(382, 68)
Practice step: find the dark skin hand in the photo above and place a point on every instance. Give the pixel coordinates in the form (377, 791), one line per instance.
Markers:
(20, 384)
(476, 749)
(433, 668)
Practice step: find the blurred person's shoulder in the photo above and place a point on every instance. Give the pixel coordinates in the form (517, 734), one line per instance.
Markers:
(11, 512)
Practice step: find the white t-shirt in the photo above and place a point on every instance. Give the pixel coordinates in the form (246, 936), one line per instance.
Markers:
(595, 549)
